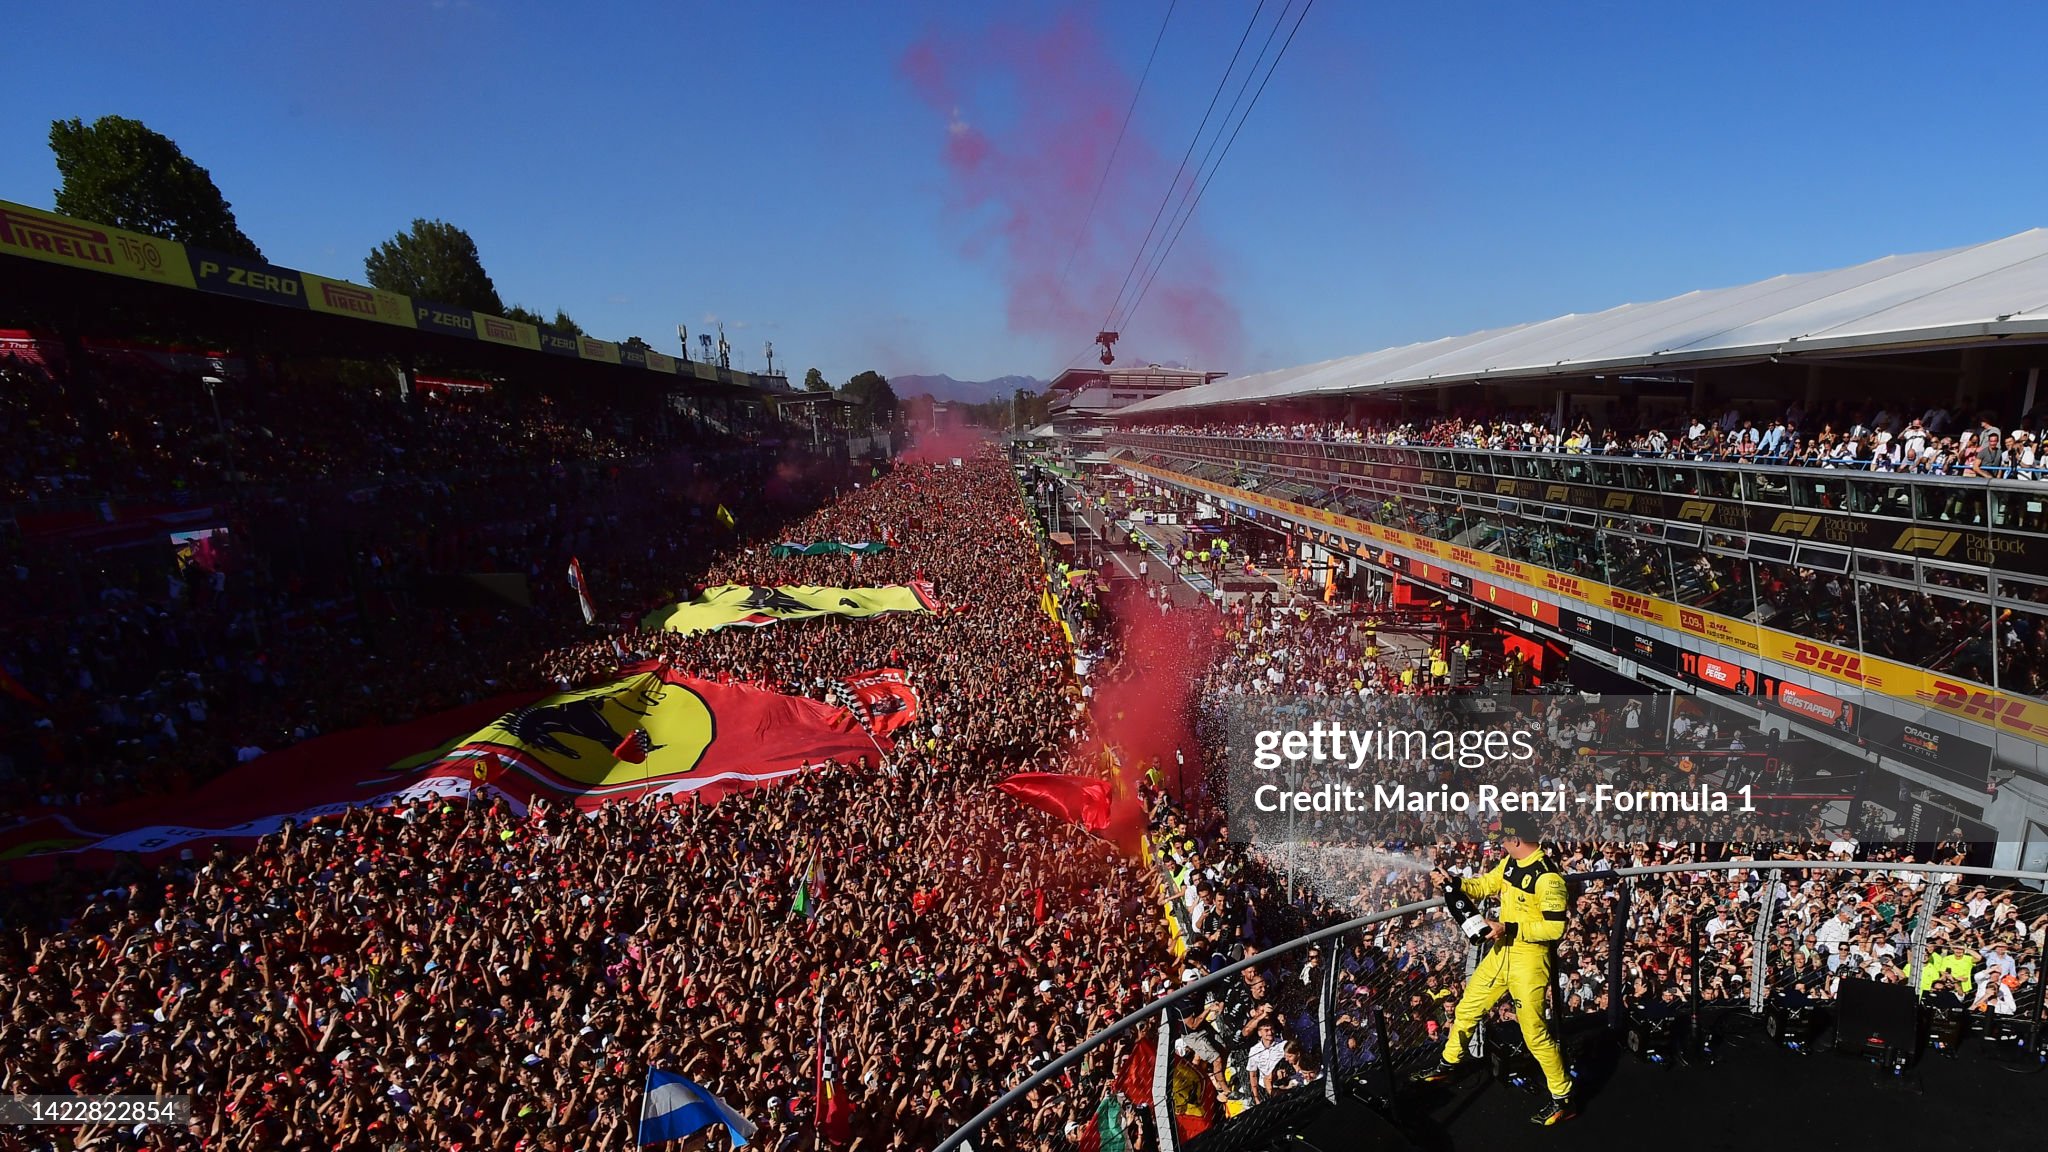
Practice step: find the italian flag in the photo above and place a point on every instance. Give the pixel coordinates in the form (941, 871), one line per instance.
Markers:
(810, 890)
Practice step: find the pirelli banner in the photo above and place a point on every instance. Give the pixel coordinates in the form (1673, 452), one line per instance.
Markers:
(54, 239)
(1939, 694)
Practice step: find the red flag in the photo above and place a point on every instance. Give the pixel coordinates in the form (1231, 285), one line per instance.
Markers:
(835, 1111)
(881, 697)
(1135, 1082)
(1079, 800)
(1038, 905)
(14, 688)
(1193, 1097)
(635, 747)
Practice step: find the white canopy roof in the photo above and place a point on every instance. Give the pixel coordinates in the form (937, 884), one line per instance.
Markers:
(1998, 288)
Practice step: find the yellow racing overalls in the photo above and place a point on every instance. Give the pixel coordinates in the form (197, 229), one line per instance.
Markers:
(1522, 964)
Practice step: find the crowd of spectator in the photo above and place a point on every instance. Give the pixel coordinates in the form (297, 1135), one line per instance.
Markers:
(444, 975)
(332, 592)
(447, 975)
(1861, 435)
(1239, 889)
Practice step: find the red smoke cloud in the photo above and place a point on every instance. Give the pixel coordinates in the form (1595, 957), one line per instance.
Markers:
(939, 447)
(1030, 163)
(1142, 708)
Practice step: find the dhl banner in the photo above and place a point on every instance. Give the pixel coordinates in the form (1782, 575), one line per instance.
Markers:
(707, 739)
(1944, 694)
(739, 604)
(341, 298)
(56, 239)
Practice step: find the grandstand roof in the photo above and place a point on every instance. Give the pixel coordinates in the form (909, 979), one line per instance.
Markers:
(1978, 293)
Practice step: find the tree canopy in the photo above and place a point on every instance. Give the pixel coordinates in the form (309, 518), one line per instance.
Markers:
(1024, 409)
(814, 381)
(434, 260)
(871, 394)
(118, 171)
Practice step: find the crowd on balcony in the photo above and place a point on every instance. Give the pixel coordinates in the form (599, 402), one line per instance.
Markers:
(1848, 434)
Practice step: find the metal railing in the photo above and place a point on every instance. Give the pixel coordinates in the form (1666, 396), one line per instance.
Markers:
(1382, 986)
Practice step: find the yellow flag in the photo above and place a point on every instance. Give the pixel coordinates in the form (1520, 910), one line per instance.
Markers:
(725, 516)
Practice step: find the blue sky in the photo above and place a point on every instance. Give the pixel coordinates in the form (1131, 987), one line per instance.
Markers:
(1413, 171)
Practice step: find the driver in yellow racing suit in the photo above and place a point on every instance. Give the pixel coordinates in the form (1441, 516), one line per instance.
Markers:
(1520, 962)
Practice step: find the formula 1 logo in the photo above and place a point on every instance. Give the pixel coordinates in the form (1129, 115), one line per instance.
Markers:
(1464, 481)
(1796, 523)
(1698, 510)
(1840, 665)
(1558, 494)
(1932, 541)
(1505, 486)
(1620, 501)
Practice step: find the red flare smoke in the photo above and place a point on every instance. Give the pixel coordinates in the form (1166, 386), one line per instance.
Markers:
(1034, 170)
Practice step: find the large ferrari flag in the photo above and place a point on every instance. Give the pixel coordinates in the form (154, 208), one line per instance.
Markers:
(652, 732)
(726, 605)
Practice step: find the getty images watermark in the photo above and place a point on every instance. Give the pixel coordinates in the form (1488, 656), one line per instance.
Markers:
(1376, 770)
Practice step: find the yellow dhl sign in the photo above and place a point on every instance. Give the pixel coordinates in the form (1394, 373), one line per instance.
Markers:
(1975, 703)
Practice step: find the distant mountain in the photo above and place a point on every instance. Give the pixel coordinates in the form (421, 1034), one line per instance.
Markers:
(967, 391)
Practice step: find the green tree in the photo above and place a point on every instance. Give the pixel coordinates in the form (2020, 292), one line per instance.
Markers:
(117, 171)
(437, 261)
(814, 381)
(527, 315)
(872, 396)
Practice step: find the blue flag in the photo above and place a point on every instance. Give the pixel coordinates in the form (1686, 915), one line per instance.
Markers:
(674, 1107)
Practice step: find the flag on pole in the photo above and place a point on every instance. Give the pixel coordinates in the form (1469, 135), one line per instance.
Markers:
(1105, 1132)
(582, 590)
(810, 890)
(725, 517)
(673, 1107)
(835, 1111)
(635, 747)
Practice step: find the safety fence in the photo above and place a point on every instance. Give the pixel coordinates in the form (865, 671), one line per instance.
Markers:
(1227, 1059)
